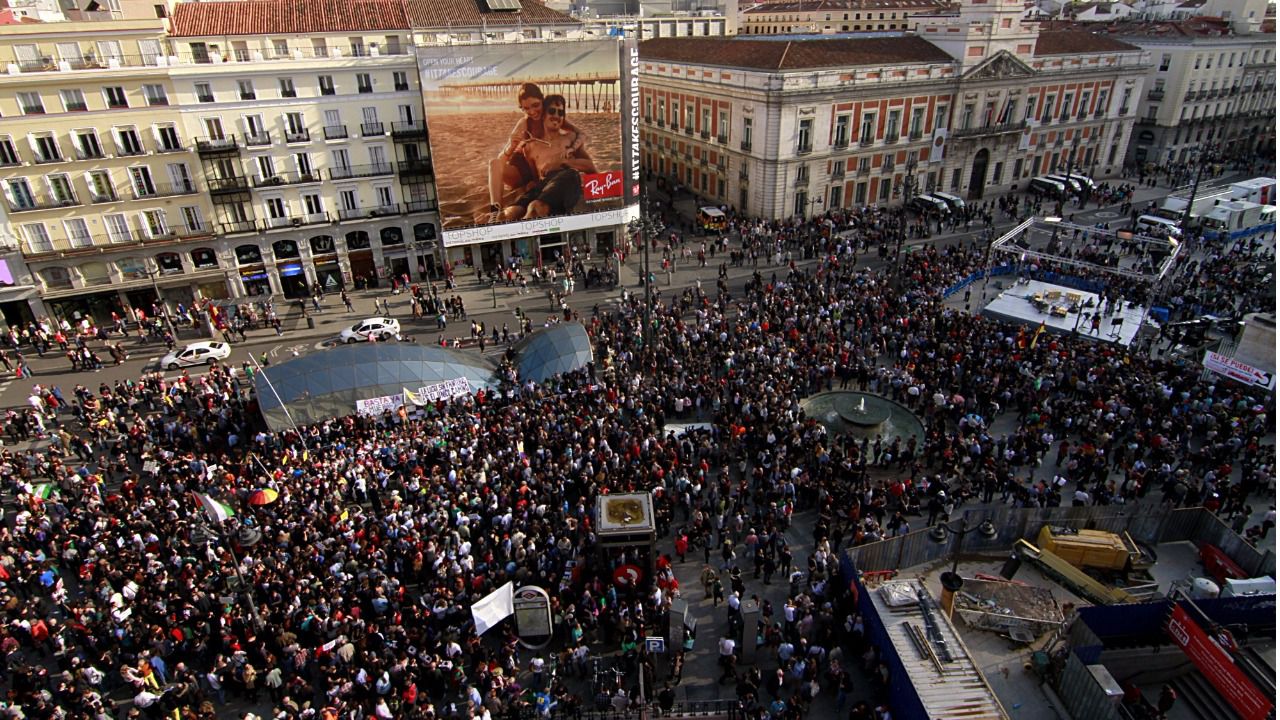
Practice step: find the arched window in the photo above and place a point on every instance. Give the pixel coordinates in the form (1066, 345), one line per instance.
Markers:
(95, 273)
(284, 249)
(170, 263)
(392, 236)
(55, 278)
(132, 268)
(248, 254)
(322, 244)
(424, 232)
(204, 258)
(357, 240)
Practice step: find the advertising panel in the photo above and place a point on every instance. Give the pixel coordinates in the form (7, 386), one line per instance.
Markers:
(524, 136)
(1217, 666)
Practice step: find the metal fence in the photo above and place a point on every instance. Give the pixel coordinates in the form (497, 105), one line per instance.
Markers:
(1150, 524)
(1082, 695)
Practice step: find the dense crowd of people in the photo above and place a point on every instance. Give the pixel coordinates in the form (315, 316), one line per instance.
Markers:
(349, 595)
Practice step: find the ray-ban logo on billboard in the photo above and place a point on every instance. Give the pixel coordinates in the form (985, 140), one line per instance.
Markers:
(598, 186)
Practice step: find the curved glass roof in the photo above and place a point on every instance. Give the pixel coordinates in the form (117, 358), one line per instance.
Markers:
(558, 349)
(329, 383)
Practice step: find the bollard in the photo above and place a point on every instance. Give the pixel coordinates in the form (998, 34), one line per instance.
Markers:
(311, 323)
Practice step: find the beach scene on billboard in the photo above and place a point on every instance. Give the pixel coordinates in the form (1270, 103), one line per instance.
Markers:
(521, 133)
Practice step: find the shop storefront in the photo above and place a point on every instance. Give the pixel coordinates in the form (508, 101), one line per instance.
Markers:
(395, 256)
(424, 255)
(293, 279)
(95, 306)
(360, 256)
(253, 273)
(552, 249)
(324, 261)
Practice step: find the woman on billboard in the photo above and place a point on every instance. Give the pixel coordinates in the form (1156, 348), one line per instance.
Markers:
(511, 172)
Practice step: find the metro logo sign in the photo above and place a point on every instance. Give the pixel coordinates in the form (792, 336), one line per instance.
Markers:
(1217, 666)
(1236, 370)
(598, 186)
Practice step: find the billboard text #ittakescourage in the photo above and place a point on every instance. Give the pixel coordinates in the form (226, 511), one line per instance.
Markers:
(526, 138)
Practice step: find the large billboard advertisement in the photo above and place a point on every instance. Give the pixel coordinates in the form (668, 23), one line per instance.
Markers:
(527, 138)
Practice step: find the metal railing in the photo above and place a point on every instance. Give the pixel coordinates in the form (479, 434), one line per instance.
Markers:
(217, 145)
(240, 226)
(417, 206)
(286, 178)
(261, 138)
(335, 132)
(292, 136)
(373, 128)
(356, 171)
(407, 129)
(990, 129)
(43, 203)
(105, 197)
(419, 166)
(231, 184)
(163, 190)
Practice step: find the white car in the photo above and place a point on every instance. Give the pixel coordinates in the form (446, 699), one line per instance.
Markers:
(379, 328)
(200, 353)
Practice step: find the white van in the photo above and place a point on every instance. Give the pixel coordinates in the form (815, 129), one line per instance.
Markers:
(956, 204)
(1073, 185)
(1047, 186)
(1156, 226)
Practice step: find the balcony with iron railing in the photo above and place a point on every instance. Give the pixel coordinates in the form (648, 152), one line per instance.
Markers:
(915, 135)
(297, 136)
(88, 61)
(404, 130)
(840, 143)
(239, 226)
(335, 132)
(722, 139)
(1012, 127)
(43, 202)
(286, 178)
(227, 184)
(257, 139)
(368, 211)
(106, 196)
(372, 128)
(155, 190)
(1155, 94)
(420, 206)
(866, 141)
(358, 171)
(745, 145)
(705, 135)
(416, 166)
(217, 145)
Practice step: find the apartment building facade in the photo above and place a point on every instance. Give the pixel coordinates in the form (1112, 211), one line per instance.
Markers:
(99, 172)
(832, 16)
(235, 150)
(1207, 84)
(980, 104)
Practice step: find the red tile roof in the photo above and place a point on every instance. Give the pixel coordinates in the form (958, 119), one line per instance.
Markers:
(475, 13)
(793, 54)
(254, 17)
(1078, 42)
(842, 5)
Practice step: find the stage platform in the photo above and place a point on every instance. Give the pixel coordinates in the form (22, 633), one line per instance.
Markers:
(1058, 311)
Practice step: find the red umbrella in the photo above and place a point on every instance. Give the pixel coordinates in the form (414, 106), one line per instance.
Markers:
(265, 496)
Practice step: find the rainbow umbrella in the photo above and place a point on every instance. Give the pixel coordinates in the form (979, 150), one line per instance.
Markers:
(264, 496)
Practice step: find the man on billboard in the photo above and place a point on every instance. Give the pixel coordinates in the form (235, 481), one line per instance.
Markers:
(511, 172)
(500, 170)
(557, 161)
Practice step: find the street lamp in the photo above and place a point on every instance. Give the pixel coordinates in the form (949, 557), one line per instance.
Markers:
(908, 186)
(951, 581)
(643, 227)
(153, 272)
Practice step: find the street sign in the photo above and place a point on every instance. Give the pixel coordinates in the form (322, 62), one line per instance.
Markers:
(655, 644)
(1236, 370)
